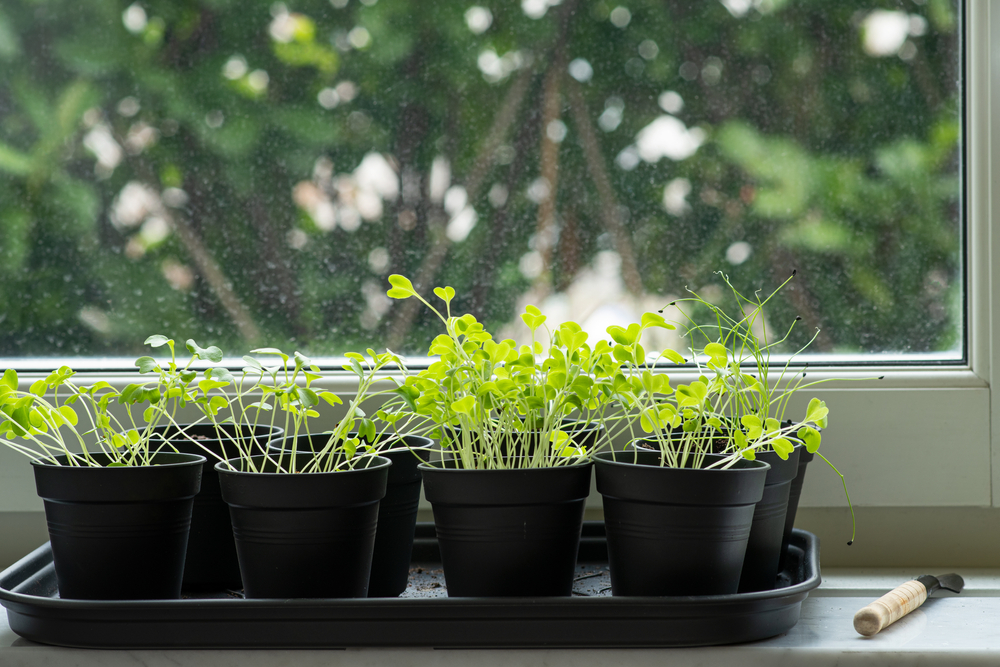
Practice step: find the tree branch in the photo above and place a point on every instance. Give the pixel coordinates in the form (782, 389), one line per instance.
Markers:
(605, 192)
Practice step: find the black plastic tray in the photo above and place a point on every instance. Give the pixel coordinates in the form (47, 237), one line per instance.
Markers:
(424, 616)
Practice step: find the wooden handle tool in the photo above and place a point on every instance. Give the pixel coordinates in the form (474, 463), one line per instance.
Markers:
(899, 602)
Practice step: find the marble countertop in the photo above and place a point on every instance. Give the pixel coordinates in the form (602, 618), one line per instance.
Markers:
(954, 630)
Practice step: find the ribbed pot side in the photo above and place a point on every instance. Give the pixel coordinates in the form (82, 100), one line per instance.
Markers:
(676, 531)
(119, 533)
(304, 535)
(512, 532)
(764, 547)
(397, 512)
(211, 562)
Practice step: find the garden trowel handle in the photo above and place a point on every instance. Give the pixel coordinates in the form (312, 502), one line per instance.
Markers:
(889, 608)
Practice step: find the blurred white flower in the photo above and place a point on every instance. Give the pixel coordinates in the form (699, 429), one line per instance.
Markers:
(675, 196)
(235, 68)
(536, 9)
(134, 203)
(556, 131)
(140, 137)
(581, 70)
(620, 17)
(134, 18)
(258, 80)
(440, 179)
(738, 252)
(104, 147)
(884, 32)
(670, 101)
(478, 19)
(628, 158)
(455, 199)
(359, 37)
(461, 224)
(668, 137)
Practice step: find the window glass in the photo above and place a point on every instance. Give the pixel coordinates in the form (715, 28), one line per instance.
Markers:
(247, 173)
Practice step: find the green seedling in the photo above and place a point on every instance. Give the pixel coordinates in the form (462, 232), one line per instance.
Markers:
(58, 417)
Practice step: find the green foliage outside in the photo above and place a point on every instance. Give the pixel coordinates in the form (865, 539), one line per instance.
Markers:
(233, 211)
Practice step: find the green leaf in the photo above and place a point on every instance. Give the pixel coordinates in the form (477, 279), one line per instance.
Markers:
(532, 317)
(301, 360)
(718, 355)
(217, 403)
(446, 294)
(817, 412)
(146, 364)
(465, 405)
(308, 397)
(69, 414)
(220, 375)
(272, 351)
(38, 387)
(620, 335)
(810, 437)
(35, 419)
(692, 395)
(674, 356)
(330, 398)
(783, 447)
(208, 385)
(130, 394)
(9, 379)
(253, 362)
(211, 353)
(157, 341)
(655, 320)
(402, 288)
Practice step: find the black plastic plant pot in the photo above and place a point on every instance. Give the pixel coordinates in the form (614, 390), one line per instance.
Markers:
(397, 519)
(676, 531)
(760, 566)
(397, 513)
(504, 533)
(211, 554)
(119, 533)
(794, 493)
(304, 535)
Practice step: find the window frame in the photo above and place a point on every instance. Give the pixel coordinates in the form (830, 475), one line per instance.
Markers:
(874, 443)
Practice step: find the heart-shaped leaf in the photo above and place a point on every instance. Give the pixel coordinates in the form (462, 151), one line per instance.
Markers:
(402, 288)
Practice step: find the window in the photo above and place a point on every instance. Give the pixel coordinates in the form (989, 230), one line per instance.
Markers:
(252, 171)
(248, 173)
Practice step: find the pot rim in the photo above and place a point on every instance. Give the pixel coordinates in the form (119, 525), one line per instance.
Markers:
(192, 460)
(572, 466)
(277, 443)
(221, 468)
(601, 457)
(269, 431)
